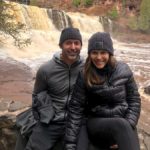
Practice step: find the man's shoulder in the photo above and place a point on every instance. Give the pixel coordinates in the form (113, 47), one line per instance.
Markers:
(81, 61)
(46, 66)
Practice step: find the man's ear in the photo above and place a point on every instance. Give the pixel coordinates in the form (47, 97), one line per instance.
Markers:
(60, 45)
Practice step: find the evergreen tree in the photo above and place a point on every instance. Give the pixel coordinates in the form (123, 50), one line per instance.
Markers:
(9, 26)
(144, 19)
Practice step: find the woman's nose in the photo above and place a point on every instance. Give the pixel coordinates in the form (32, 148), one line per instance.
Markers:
(99, 56)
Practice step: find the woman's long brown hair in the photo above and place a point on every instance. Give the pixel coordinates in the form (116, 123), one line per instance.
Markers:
(90, 75)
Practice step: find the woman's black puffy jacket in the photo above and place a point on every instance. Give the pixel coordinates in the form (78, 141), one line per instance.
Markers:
(117, 97)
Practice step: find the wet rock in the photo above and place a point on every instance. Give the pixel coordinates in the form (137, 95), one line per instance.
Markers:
(147, 90)
(6, 122)
(147, 143)
(7, 133)
(144, 138)
(16, 82)
(8, 138)
(16, 106)
(4, 104)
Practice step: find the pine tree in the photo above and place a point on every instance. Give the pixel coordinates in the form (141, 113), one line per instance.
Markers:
(9, 26)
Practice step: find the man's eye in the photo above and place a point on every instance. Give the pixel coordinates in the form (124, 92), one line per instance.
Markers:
(103, 53)
(94, 53)
(77, 43)
(68, 43)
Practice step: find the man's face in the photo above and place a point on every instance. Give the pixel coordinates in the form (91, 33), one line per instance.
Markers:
(71, 50)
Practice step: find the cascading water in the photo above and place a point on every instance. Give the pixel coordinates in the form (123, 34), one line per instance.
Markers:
(44, 26)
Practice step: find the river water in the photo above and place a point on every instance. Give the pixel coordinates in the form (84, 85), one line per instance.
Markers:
(136, 55)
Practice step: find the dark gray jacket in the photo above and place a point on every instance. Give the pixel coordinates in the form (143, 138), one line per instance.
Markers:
(117, 97)
(44, 107)
(26, 121)
(58, 79)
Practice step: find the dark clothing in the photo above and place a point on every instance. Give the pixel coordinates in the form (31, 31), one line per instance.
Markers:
(43, 105)
(117, 97)
(104, 132)
(45, 137)
(58, 79)
(21, 141)
(26, 121)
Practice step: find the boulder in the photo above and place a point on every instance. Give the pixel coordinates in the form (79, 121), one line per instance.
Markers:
(147, 89)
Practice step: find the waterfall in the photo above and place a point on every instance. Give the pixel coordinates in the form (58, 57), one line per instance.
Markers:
(49, 19)
(87, 24)
(59, 19)
(44, 28)
(37, 18)
(110, 25)
(107, 23)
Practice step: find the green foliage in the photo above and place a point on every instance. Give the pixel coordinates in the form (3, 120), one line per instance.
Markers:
(123, 7)
(144, 18)
(113, 14)
(123, 3)
(34, 2)
(9, 26)
(76, 2)
(133, 23)
(88, 2)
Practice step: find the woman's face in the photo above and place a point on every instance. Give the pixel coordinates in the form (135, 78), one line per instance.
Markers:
(99, 58)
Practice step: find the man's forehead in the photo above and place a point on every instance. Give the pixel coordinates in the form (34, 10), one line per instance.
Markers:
(75, 41)
(72, 40)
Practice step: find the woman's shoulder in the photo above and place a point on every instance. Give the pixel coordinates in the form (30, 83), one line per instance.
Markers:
(123, 68)
(123, 65)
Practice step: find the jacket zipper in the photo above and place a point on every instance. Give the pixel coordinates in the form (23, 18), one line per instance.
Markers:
(67, 102)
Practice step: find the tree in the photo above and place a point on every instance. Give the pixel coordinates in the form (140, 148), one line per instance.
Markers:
(113, 13)
(76, 3)
(144, 18)
(9, 26)
(88, 2)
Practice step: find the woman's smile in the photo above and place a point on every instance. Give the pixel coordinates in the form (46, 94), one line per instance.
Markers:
(99, 58)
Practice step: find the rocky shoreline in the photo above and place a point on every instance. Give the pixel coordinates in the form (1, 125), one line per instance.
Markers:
(16, 82)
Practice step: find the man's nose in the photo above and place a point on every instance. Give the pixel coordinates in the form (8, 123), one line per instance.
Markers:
(72, 46)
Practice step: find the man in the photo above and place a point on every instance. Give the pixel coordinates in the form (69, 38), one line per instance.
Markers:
(57, 77)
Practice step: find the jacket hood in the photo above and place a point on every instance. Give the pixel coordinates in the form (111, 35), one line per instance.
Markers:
(56, 57)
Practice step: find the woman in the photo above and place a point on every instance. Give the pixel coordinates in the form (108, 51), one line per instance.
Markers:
(107, 94)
